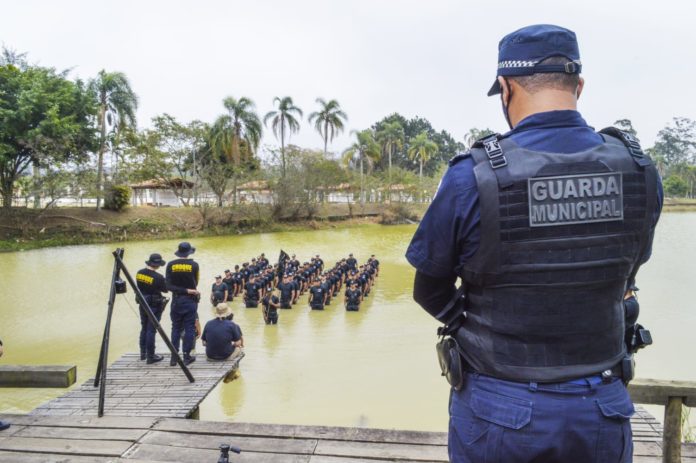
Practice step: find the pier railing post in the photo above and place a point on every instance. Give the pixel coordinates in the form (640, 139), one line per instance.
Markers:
(671, 436)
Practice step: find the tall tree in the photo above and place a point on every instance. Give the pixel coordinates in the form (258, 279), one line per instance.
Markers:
(241, 123)
(391, 138)
(44, 119)
(676, 143)
(328, 121)
(283, 121)
(367, 151)
(422, 148)
(116, 107)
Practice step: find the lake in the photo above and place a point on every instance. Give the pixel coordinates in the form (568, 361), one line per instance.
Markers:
(374, 368)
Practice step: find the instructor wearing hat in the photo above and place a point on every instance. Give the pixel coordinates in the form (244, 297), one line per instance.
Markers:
(546, 225)
(151, 284)
(182, 276)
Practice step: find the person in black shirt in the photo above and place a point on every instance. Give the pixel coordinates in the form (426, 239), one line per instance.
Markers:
(151, 284)
(222, 337)
(351, 262)
(230, 283)
(317, 296)
(287, 293)
(271, 303)
(328, 291)
(353, 297)
(251, 293)
(238, 280)
(182, 280)
(219, 291)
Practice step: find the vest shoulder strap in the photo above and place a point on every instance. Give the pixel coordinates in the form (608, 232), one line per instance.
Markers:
(630, 142)
(489, 148)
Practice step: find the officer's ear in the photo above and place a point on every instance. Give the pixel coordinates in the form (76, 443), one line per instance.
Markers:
(504, 90)
(581, 85)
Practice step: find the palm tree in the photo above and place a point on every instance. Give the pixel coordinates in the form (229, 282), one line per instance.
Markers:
(116, 106)
(328, 121)
(241, 123)
(366, 149)
(283, 120)
(422, 148)
(391, 138)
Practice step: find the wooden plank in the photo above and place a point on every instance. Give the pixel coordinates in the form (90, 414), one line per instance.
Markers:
(213, 441)
(657, 391)
(104, 448)
(21, 457)
(187, 455)
(37, 375)
(130, 435)
(305, 432)
(387, 451)
(80, 422)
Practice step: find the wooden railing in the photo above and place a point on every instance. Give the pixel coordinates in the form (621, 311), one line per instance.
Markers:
(673, 395)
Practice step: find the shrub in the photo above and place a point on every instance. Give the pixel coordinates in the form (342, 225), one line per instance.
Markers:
(117, 197)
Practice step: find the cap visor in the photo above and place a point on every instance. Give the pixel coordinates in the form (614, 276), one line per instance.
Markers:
(495, 88)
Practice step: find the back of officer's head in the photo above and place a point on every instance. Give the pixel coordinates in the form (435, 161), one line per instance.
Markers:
(535, 83)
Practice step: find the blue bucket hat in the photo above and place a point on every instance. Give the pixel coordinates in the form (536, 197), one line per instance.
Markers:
(185, 249)
(520, 52)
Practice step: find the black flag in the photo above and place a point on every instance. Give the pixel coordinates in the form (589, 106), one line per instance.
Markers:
(282, 258)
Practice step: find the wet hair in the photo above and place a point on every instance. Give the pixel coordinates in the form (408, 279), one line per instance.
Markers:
(549, 80)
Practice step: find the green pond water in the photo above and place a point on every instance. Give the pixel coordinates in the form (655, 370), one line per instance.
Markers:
(374, 368)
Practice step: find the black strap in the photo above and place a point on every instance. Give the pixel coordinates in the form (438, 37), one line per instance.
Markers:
(496, 159)
(650, 205)
(448, 315)
(631, 143)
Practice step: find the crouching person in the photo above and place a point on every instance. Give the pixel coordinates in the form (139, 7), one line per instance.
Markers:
(222, 337)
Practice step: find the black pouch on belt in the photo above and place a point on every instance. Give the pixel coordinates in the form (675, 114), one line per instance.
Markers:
(450, 362)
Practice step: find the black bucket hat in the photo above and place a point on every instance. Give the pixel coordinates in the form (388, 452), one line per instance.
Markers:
(185, 249)
(155, 260)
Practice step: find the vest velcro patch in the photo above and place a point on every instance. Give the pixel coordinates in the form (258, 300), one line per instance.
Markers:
(572, 199)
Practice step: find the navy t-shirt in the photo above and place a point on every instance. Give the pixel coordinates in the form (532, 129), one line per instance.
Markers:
(219, 334)
(449, 234)
(317, 293)
(252, 290)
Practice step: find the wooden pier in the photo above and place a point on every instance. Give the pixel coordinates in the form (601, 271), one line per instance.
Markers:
(85, 439)
(134, 388)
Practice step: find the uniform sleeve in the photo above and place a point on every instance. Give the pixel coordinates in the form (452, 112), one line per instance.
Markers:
(448, 234)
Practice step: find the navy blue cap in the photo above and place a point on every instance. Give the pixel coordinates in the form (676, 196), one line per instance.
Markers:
(520, 52)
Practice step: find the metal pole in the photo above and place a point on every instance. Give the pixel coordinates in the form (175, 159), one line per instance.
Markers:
(100, 376)
(151, 316)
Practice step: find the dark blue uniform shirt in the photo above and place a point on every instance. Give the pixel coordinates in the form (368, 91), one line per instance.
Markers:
(219, 335)
(449, 233)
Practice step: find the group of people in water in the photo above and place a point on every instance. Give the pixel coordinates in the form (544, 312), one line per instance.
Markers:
(280, 286)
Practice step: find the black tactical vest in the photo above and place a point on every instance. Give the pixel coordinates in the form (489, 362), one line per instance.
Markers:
(561, 234)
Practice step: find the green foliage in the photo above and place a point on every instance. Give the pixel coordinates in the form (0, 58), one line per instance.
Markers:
(116, 106)
(328, 121)
(422, 148)
(676, 143)
(475, 134)
(283, 121)
(240, 124)
(675, 186)
(44, 119)
(117, 197)
(447, 146)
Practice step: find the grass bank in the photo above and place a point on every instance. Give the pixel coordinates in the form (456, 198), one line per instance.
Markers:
(23, 229)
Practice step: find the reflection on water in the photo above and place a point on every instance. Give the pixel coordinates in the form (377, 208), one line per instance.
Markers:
(376, 367)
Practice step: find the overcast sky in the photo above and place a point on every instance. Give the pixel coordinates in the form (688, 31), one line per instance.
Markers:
(434, 58)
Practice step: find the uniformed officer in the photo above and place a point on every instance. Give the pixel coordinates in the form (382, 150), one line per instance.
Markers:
(546, 226)
(182, 276)
(151, 284)
(251, 293)
(271, 302)
(287, 292)
(219, 291)
(317, 295)
(228, 279)
(353, 297)
(351, 261)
